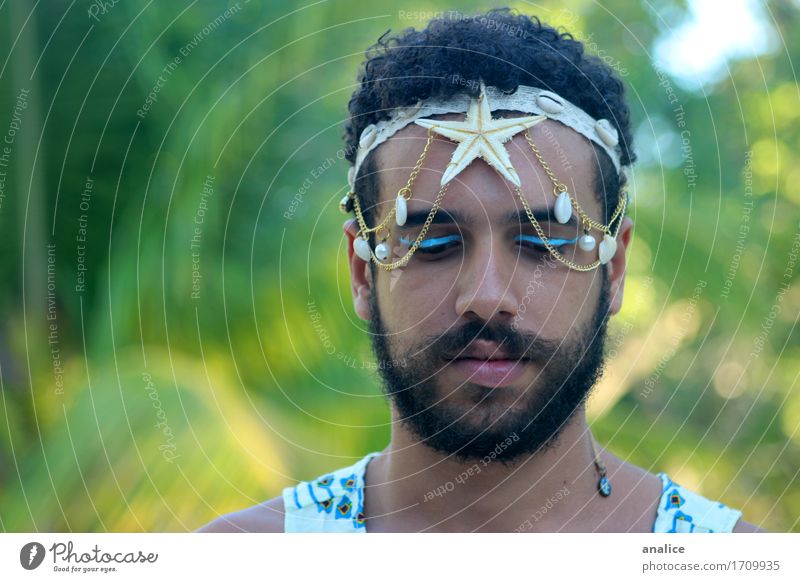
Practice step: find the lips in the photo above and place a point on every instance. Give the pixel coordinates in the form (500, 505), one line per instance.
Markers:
(484, 350)
(488, 364)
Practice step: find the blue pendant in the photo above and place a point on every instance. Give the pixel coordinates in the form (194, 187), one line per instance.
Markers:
(604, 486)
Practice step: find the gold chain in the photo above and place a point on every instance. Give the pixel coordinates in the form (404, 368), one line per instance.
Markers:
(413, 248)
(407, 192)
(407, 188)
(413, 176)
(546, 241)
(560, 187)
(556, 182)
(571, 264)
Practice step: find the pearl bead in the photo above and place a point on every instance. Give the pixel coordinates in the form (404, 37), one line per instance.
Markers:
(586, 242)
(382, 251)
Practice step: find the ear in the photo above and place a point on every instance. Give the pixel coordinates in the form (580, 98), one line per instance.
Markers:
(617, 265)
(360, 276)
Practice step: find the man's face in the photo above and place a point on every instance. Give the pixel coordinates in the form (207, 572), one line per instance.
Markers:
(484, 335)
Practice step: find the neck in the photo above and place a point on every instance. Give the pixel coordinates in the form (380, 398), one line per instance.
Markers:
(411, 487)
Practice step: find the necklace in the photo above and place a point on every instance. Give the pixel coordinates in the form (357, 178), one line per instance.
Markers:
(603, 484)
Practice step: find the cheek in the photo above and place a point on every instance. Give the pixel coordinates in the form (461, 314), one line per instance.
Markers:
(416, 303)
(418, 306)
(413, 304)
(420, 285)
(552, 303)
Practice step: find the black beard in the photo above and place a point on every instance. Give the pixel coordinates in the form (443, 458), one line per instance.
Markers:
(568, 371)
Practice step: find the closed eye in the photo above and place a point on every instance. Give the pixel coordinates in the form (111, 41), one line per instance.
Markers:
(538, 243)
(434, 245)
(440, 244)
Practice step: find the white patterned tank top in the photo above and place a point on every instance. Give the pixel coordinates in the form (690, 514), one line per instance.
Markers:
(334, 502)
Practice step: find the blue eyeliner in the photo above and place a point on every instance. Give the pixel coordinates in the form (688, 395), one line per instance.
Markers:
(432, 242)
(556, 242)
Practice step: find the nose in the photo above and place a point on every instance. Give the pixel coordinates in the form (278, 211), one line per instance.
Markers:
(485, 288)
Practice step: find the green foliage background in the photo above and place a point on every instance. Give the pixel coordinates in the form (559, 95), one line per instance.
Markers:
(267, 377)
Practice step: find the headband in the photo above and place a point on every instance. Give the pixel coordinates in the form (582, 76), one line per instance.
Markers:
(481, 136)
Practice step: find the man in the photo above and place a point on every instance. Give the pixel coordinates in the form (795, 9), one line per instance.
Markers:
(487, 253)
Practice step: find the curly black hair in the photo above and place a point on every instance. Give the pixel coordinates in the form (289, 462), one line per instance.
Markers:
(504, 49)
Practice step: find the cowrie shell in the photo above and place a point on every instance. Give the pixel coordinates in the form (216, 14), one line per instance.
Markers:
(550, 102)
(343, 204)
(608, 248)
(400, 210)
(362, 250)
(563, 208)
(368, 136)
(406, 112)
(607, 132)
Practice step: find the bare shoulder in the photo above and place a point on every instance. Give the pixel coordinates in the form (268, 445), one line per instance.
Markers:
(746, 527)
(635, 510)
(265, 517)
(640, 481)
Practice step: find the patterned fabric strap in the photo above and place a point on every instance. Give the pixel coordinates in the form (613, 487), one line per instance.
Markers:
(684, 511)
(331, 503)
(334, 502)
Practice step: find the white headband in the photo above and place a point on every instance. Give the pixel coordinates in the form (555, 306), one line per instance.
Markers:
(525, 99)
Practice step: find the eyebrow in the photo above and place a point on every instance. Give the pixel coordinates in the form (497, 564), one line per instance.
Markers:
(418, 218)
(543, 214)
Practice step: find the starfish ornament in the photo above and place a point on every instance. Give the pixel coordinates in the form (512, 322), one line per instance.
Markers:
(481, 136)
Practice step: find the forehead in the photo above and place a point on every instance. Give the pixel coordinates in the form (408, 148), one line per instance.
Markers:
(570, 156)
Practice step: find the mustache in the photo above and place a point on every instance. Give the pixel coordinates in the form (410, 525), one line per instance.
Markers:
(514, 343)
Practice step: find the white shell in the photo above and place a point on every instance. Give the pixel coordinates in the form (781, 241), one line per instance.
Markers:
(550, 102)
(406, 112)
(361, 248)
(608, 248)
(368, 136)
(607, 132)
(586, 242)
(382, 251)
(343, 203)
(400, 210)
(563, 208)
(351, 177)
